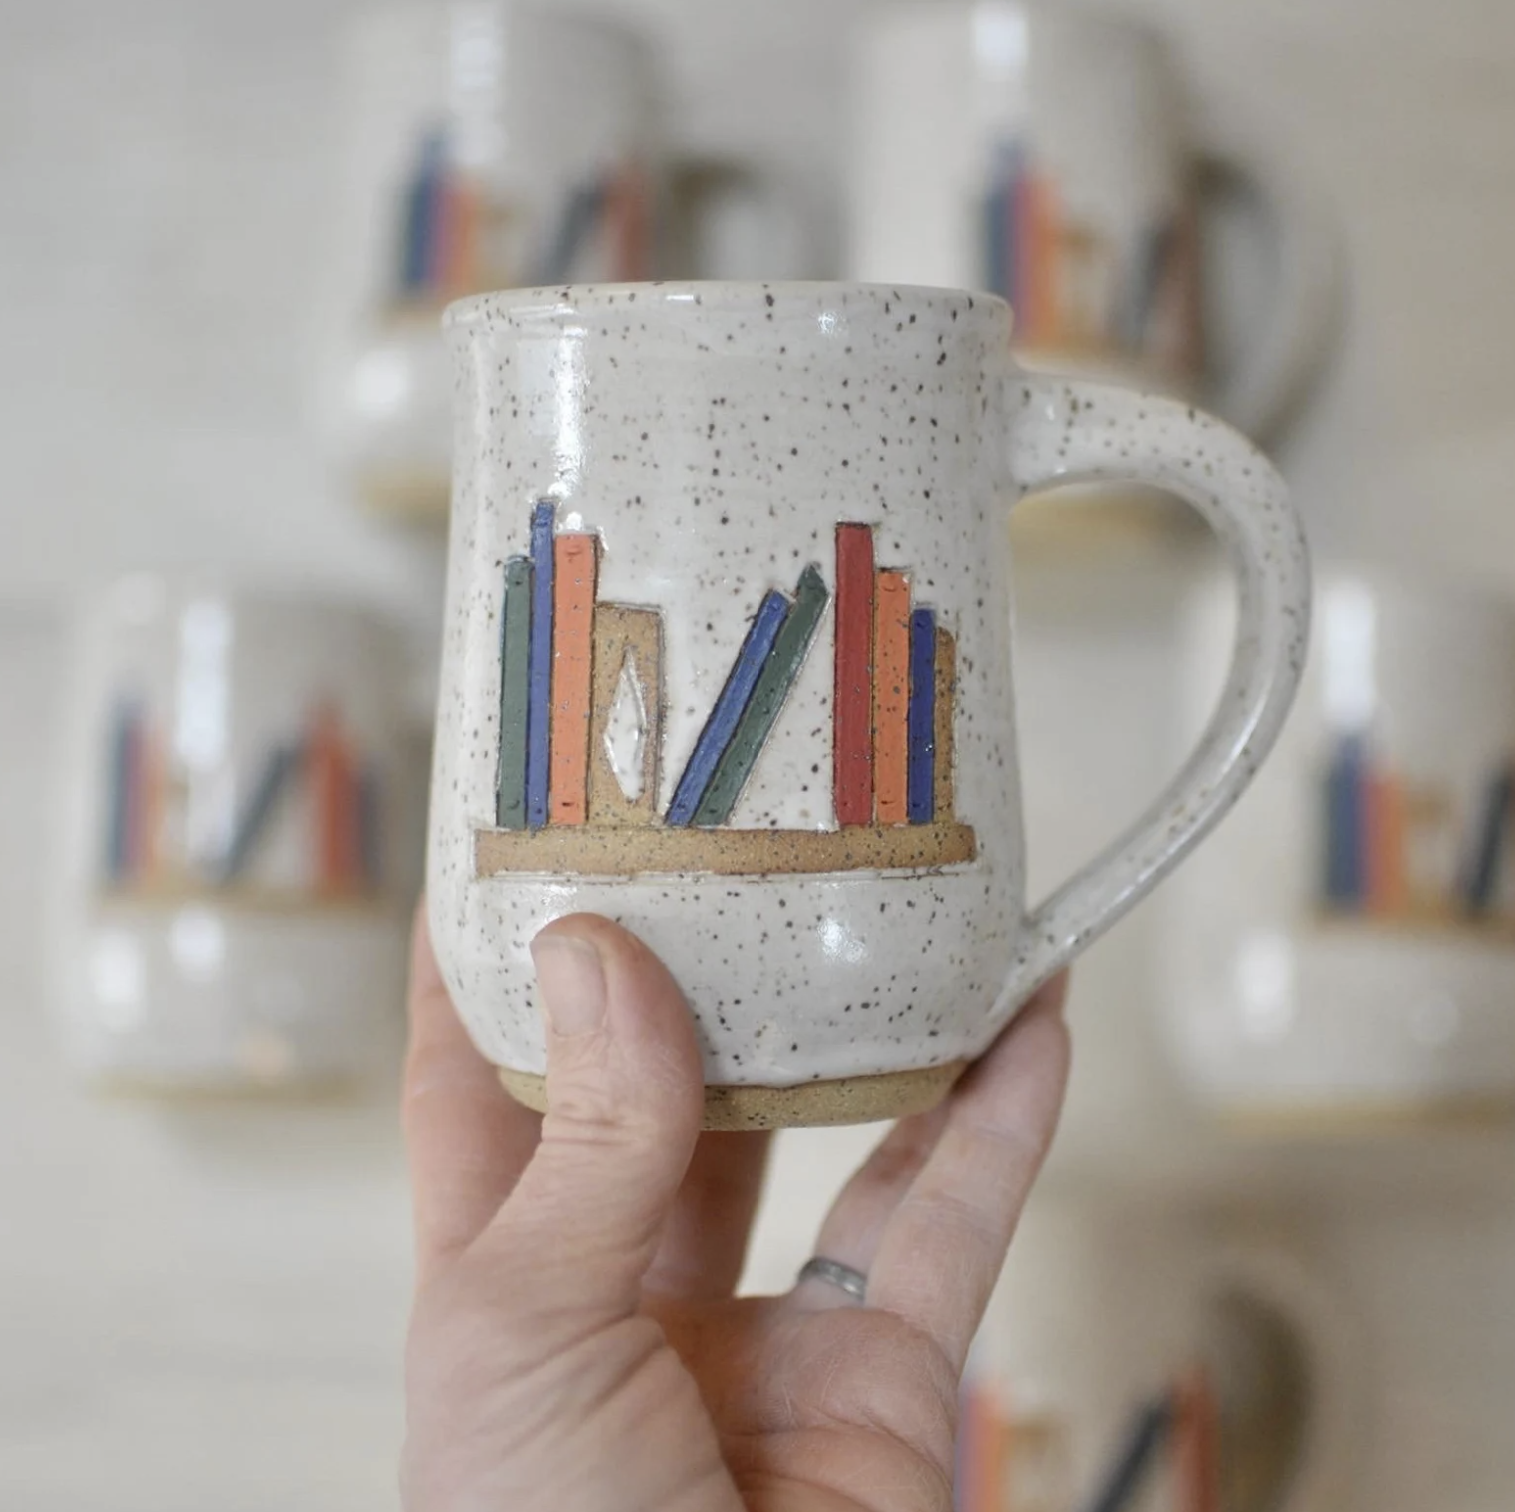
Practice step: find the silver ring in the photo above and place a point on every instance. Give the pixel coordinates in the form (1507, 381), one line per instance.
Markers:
(833, 1272)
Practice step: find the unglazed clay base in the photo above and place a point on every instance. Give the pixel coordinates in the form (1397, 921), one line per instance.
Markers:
(812, 1105)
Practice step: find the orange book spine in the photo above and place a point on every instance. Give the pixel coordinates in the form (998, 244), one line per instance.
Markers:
(1039, 286)
(575, 565)
(1196, 1445)
(1388, 870)
(982, 1451)
(461, 216)
(324, 764)
(891, 698)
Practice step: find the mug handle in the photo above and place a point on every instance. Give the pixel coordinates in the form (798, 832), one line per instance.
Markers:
(1067, 432)
(1264, 390)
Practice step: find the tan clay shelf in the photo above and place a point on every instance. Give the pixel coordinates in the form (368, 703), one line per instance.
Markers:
(240, 899)
(1421, 924)
(633, 850)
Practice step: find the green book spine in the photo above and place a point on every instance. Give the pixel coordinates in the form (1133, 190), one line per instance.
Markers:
(782, 667)
(515, 694)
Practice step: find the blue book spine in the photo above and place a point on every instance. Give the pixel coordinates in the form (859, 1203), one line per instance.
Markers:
(996, 263)
(920, 781)
(277, 771)
(1151, 1427)
(539, 705)
(1346, 874)
(583, 209)
(1483, 873)
(1156, 252)
(123, 742)
(1012, 169)
(422, 216)
(729, 708)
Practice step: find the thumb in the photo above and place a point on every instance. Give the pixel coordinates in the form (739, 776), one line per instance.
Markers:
(624, 1103)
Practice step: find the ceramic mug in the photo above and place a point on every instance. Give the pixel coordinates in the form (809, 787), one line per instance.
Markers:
(494, 144)
(728, 655)
(1125, 1336)
(1345, 950)
(225, 911)
(1041, 151)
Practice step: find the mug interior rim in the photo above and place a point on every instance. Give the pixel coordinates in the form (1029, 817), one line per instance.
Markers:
(550, 301)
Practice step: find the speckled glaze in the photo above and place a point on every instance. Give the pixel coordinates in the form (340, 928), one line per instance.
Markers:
(714, 435)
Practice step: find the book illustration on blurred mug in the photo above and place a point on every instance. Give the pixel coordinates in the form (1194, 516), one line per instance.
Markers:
(175, 834)
(1074, 292)
(458, 235)
(581, 719)
(1404, 855)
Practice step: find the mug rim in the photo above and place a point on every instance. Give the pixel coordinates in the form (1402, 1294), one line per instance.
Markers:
(550, 301)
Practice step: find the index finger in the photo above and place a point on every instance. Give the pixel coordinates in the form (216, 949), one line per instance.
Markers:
(467, 1140)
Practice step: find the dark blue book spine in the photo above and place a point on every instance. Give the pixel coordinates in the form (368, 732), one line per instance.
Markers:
(920, 781)
(729, 708)
(539, 706)
(1346, 874)
(123, 743)
(998, 263)
(1151, 267)
(278, 769)
(422, 217)
(573, 230)
(1119, 1489)
(1484, 868)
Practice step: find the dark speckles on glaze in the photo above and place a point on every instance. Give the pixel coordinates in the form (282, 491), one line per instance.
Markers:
(736, 428)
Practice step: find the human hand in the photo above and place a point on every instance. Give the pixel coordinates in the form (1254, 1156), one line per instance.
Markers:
(575, 1344)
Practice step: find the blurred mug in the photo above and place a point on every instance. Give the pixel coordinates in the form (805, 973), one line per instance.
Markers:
(1128, 1352)
(496, 145)
(727, 656)
(226, 912)
(1345, 949)
(1039, 150)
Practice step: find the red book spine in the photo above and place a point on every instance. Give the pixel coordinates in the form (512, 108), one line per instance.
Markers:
(891, 699)
(852, 708)
(1195, 1445)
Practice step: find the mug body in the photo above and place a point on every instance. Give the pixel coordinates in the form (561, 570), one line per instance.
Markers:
(661, 490)
(225, 913)
(1039, 151)
(491, 144)
(1345, 947)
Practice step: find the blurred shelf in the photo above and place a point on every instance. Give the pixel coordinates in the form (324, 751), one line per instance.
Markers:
(1422, 924)
(268, 901)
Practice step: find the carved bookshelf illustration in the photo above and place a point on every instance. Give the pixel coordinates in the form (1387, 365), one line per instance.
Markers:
(582, 698)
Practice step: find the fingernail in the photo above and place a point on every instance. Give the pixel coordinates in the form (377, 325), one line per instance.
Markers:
(572, 983)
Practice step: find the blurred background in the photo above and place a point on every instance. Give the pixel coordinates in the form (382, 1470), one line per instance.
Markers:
(1272, 1255)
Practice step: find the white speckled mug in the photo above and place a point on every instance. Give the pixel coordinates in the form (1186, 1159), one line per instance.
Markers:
(728, 659)
(226, 915)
